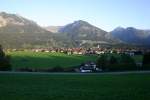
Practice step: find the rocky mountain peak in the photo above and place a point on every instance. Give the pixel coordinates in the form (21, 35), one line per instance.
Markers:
(13, 19)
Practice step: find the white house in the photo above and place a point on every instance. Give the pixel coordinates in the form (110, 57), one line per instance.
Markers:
(89, 67)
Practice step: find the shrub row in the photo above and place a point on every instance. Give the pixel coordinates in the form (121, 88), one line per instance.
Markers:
(53, 69)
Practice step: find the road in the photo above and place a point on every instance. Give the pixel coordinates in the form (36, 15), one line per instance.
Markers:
(63, 73)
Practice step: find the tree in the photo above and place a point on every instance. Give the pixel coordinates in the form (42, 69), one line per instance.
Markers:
(113, 60)
(127, 63)
(2, 54)
(4, 61)
(102, 62)
(146, 61)
(112, 64)
(116, 63)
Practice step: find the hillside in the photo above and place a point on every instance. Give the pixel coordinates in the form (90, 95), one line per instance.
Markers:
(19, 32)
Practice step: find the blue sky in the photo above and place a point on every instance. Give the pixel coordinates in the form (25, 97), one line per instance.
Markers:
(105, 14)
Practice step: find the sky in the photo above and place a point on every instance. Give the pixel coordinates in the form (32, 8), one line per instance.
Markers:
(105, 14)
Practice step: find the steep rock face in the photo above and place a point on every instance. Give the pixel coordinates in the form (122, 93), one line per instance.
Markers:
(132, 35)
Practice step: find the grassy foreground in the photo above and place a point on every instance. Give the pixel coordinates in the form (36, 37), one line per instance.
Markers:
(74, 87)
(22, 59)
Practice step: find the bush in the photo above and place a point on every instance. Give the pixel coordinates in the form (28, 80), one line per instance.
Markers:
(56, 69)
(25, 69)
(69, 69)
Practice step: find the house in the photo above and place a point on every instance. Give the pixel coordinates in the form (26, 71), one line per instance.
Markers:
(47, 51)
(130, 53)
(89, 67)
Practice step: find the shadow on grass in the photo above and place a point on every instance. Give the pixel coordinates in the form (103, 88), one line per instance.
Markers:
(48, 62)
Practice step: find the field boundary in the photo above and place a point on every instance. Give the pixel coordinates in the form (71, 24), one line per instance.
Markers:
(68, 73)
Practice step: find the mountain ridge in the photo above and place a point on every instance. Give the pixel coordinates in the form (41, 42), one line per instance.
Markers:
(131, 35)
(17, 31)
(82, 30)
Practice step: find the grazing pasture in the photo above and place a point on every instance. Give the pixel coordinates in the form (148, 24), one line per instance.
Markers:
(74, 87)
(29, 59)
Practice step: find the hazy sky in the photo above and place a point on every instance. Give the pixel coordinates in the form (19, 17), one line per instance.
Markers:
(105, 14)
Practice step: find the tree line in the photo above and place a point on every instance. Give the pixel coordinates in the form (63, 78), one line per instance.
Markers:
(122, 62)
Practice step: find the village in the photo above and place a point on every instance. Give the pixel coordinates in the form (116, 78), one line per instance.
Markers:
(87, 51)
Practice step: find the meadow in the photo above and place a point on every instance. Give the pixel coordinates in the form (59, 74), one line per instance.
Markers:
(29, 59)
(74, 87)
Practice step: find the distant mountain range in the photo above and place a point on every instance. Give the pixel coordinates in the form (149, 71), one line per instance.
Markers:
(19, 32)
(132, 35)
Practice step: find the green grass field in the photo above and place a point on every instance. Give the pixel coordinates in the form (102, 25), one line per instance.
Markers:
(74, 87)
(22, 59)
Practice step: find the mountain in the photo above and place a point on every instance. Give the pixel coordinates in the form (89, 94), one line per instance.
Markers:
(131, 35)
(82, 32)
(12, 23)
(54, 29)
(18, 32)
